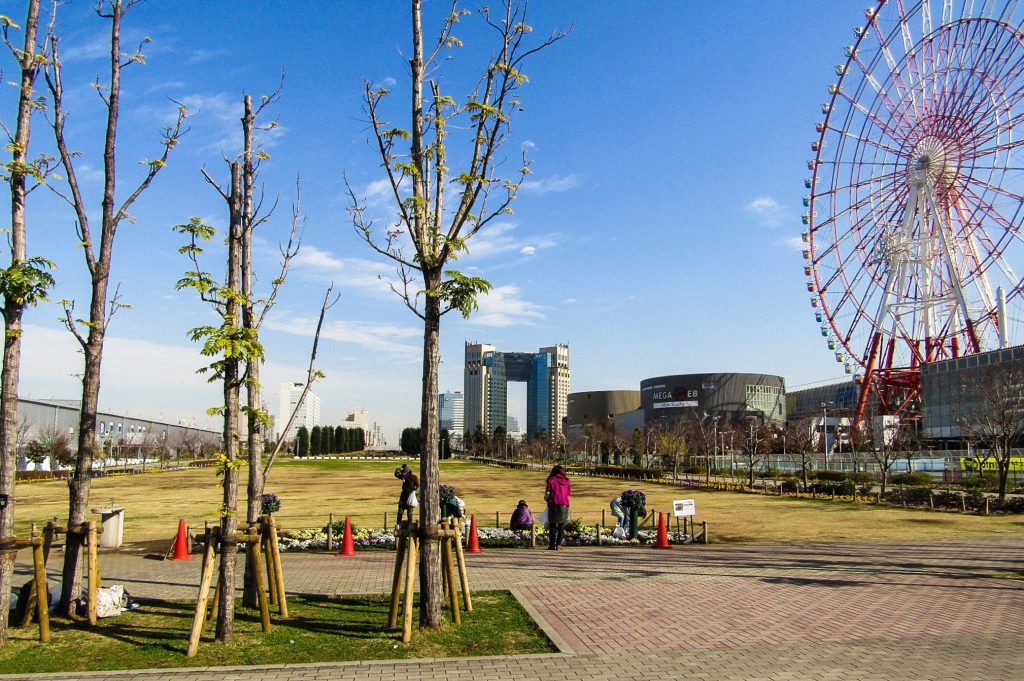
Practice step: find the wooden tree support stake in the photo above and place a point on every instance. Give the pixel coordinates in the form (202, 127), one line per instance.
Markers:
(453, 563)
(209, 562)
(261, 540)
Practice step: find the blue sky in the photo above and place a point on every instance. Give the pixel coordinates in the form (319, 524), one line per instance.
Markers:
(656, 236)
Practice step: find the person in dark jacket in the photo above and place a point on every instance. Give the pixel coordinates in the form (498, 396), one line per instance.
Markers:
(522, 517)
(557, 493)
(407, 500)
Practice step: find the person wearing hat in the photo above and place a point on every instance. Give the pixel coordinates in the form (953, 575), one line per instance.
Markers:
(407, 500)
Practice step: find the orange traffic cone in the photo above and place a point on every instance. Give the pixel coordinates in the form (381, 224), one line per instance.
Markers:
(473, 543)
(662, 533)
(181, 543)
(347, 547)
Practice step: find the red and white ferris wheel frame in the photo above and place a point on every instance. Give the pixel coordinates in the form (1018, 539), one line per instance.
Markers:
(917, 191)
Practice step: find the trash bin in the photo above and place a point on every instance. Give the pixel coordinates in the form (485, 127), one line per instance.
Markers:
(113, 525)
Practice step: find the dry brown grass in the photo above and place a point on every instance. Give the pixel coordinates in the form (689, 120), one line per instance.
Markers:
(309, 491)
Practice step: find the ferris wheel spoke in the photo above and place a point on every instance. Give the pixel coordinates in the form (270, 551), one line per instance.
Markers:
(969, 245)
(888, 177)
(851, 208)
(995, 249)
(970, 179)
(987, 151)
(893, 132)
(868, 140)
(986, 209)
(996, 128)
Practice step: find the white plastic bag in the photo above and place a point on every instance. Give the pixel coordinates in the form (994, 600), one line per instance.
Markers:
(412, 501)
(110, 601)
(542, 517)
(619, 532)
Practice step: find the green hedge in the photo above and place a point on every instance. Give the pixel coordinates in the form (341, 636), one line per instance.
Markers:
(634, 472)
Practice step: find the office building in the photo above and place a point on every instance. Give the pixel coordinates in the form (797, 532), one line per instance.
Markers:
(450, 412)
(488, 372)
(308, 415)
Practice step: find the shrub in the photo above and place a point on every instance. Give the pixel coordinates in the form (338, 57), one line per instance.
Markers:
(911, 496)
(945, 499)
(912, 479)
(855, 476)
(838, 487)
(790, 485)
(632, 472)
(1010, 505)
(986, 481)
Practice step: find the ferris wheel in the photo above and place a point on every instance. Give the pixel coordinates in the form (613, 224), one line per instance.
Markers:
(914, 216)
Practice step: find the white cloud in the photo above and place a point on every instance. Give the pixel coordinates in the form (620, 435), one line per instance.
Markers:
(217, 117)
(140, 377)
(767, 211)
(795, 244)
(200, 55)
(498, 238)
(570, 301)
(387, 338)
(360, 273)
(315, 258)
(555, 183)
(502, 306)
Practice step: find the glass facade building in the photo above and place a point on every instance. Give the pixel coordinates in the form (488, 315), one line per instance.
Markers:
(488, 372)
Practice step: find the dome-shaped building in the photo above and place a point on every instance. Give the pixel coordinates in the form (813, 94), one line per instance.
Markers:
(731, 396)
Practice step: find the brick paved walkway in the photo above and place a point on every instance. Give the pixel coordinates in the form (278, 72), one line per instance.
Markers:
(816, 611)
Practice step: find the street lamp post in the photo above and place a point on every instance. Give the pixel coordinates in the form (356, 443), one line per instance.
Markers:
(824, 430)
(714, 446)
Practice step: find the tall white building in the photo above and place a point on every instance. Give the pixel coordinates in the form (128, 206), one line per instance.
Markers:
(559, 384)
(308, 415)
(450, 413)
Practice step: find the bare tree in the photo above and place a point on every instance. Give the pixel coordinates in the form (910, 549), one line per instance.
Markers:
(757, 437)
(420, 180)
(51, 443)
(800, 440)
(22, 283)
(671, 439)
(885, 443)
(990, 414)
(91, 333)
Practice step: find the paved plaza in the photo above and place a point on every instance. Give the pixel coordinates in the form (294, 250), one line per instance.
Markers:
(947, 610)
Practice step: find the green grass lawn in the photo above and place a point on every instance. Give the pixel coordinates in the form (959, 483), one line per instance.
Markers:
(318, 630)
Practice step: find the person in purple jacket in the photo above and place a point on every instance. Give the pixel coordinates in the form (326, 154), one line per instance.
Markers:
(557, 495)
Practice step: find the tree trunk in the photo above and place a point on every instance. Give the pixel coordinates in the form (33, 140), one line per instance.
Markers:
(228, 521)
(430, 554)
(253, 392)
(1003, 467)
(14, 308)
(256, 481)
(80, 482)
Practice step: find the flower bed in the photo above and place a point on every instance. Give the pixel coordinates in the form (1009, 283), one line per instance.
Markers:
(490, 537)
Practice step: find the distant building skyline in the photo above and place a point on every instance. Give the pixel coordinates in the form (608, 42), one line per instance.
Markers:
(308, 415)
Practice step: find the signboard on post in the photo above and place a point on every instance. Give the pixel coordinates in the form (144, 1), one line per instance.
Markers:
(684, 507)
